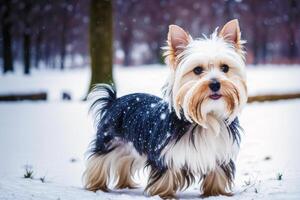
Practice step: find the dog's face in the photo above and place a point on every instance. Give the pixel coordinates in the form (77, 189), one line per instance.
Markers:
(207, 75)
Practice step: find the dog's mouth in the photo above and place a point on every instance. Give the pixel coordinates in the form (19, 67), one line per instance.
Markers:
(215, 96)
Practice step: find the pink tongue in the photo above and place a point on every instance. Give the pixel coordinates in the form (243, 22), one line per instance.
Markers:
(215, 96)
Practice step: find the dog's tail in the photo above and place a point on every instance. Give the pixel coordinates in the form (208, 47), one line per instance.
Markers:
(102, 96)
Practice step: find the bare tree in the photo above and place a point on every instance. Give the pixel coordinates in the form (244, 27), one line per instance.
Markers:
(101, 36)
(293, 13)
(7, 38)
(27, 37)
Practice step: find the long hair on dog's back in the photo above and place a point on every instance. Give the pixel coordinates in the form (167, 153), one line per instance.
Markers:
(193, 135)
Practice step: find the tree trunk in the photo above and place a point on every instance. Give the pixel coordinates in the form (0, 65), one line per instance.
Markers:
(46, 54)
(101, 35)
(126, 41)
(264, 44)
(38, 49)
(255, 33)
(26, 52)
(6, 34)
(26, 40)
(228, 10)
(126, 49)
(63, 40)
(63, 50)
(292, 12)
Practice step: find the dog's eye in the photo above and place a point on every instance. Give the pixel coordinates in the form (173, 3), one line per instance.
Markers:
(225, 68)
(198, 70)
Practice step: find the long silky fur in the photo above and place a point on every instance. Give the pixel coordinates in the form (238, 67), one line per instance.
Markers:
(147, 125)
(182, 138)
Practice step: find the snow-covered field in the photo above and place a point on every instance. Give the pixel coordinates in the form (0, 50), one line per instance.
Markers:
(51, 137)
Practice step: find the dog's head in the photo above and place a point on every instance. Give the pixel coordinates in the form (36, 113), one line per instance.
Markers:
(207, 74)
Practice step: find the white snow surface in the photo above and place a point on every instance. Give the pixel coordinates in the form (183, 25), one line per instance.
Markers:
(53, 136)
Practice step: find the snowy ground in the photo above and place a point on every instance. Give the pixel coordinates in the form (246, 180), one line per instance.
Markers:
(52, 136)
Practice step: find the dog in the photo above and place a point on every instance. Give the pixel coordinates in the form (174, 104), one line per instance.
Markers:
(192, 134)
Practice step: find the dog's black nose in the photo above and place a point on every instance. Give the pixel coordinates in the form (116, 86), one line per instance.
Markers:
(214, 85)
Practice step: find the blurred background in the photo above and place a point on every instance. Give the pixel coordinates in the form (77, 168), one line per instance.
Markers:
(55, 34)
(53, 51)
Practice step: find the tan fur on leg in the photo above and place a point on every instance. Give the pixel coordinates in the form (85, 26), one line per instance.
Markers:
(216, 183)
(117, 166)
(125, 163)
(123, 173)
(167, 184)
(96, 175)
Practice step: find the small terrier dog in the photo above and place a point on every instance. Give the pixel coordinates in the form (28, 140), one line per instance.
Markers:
(192, 134)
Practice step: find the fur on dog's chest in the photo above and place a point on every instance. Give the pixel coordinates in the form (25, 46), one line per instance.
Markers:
(201, 150)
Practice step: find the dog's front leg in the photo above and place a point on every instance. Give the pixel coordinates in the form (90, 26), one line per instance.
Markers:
(164, 183)
(219, 181)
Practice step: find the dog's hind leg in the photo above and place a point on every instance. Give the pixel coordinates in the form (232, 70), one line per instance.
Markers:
(126, 168)
(96, 175)
(127, 163)
(117, 167)
(123, 173)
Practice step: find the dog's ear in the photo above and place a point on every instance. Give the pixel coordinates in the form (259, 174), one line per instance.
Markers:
(178, 39)
(231, 33)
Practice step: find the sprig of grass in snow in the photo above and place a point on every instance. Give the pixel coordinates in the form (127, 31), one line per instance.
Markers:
(250, 183)
(43, 179)
(247, 182)
(279, 176)
(28, 172)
